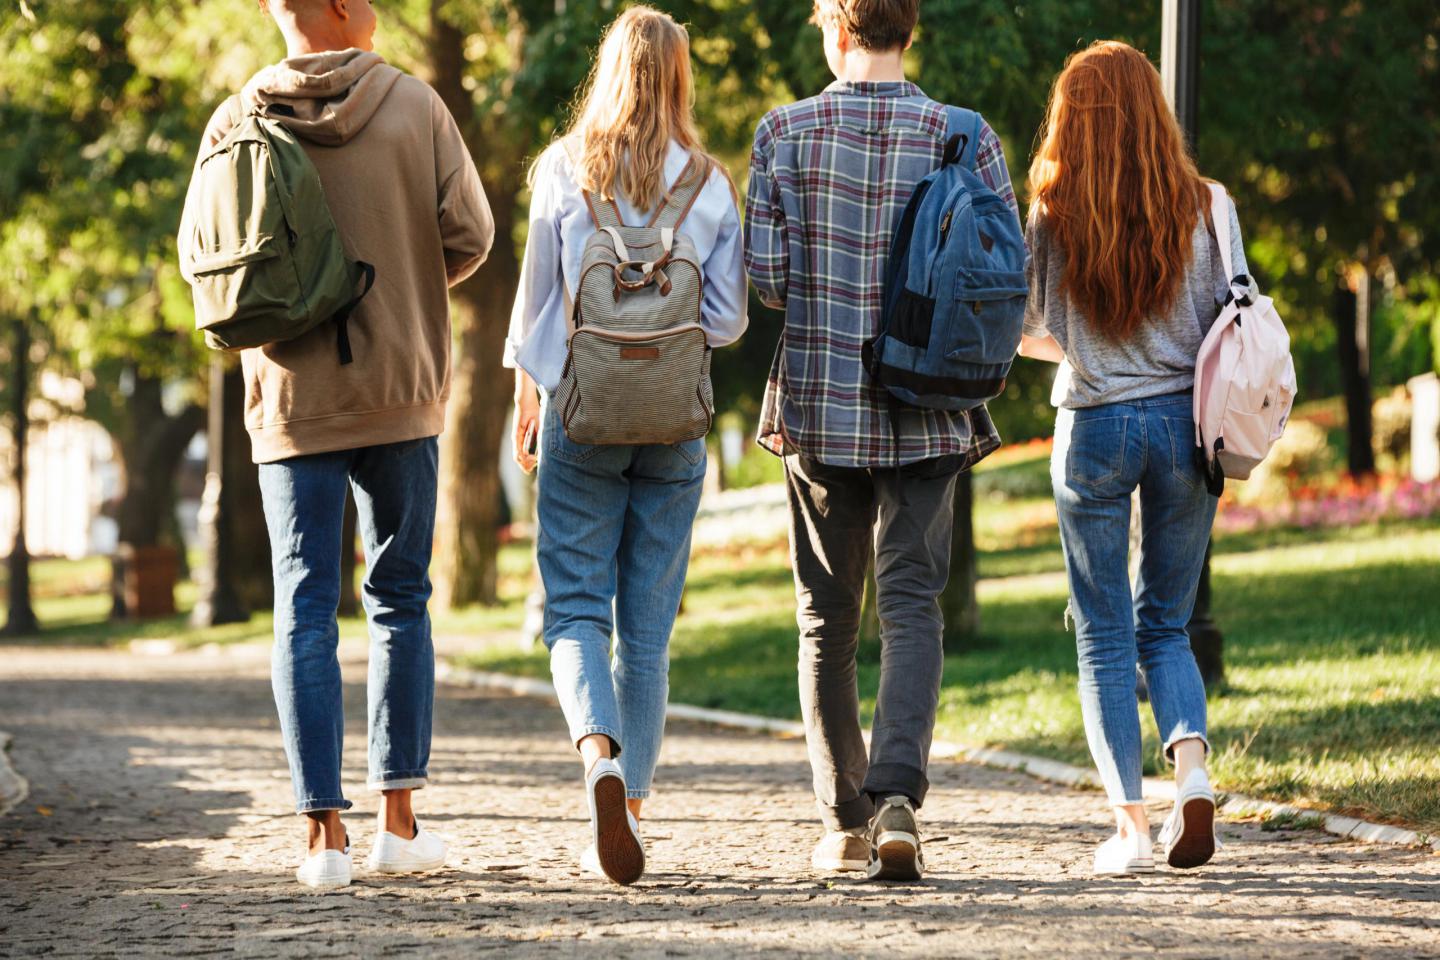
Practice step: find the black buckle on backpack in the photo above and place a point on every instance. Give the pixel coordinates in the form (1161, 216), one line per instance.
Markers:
(1213, 472)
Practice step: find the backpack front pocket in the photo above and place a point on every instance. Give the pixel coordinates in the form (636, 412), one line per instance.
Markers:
(987, 316)
(239, 294)
(637, 388)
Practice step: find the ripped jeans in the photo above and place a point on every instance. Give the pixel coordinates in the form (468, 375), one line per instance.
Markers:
(1102, 454)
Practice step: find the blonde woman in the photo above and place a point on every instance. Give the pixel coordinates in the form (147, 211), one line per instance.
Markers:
(1124, 279)
(615, 521)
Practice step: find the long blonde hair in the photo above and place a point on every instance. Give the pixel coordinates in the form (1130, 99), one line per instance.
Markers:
(1117, 187)
(639, 97)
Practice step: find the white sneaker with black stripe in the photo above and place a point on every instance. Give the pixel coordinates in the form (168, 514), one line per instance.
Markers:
(1124, 854)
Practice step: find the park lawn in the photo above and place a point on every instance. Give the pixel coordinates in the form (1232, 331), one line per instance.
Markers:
(72, 602)
(1332, 647)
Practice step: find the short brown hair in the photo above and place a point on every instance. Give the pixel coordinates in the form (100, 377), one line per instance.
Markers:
(875, 25)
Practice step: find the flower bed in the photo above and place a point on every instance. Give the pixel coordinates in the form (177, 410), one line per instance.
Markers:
(1344, 505)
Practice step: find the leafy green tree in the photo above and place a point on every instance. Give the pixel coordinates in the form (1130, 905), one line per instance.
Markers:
(1325, 121)
(102, 107)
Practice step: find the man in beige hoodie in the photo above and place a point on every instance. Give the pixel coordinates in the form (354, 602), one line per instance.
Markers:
(405, 197)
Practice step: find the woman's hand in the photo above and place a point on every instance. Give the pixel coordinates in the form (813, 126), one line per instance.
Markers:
(527, 421)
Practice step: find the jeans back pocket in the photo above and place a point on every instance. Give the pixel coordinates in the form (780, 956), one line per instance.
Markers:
(1096, 455)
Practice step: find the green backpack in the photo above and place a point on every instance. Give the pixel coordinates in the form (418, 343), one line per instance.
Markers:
(259, 247)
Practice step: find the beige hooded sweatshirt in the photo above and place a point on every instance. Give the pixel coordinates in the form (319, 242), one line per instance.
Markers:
(405, 197)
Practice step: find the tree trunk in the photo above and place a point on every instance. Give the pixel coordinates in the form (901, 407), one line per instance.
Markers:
(468, 514)
(959, 604)
(20, 620)
(1352, 327)
(1207, 643)
(151, 445)
(240, 565)
(250, 566)
(219, 602)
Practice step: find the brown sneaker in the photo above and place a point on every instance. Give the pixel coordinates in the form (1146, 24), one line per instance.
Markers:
(839, 852)
(895, 842)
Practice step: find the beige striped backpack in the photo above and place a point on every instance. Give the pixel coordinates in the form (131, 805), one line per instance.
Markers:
(638, 369)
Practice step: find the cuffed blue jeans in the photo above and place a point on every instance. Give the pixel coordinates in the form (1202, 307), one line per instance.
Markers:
(395, 491)
(1102, 454)
(614, 548)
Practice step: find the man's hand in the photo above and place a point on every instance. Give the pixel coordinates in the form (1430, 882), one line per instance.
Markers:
(527, 421)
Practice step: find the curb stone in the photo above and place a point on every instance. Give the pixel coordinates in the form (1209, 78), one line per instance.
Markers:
(1041, 768)
(13, 787)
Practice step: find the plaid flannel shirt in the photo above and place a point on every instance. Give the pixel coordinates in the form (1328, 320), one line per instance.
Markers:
(829, 180)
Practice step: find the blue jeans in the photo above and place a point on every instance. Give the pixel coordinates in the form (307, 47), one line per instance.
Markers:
(395, 490)
(614, 547)
(1101, 455)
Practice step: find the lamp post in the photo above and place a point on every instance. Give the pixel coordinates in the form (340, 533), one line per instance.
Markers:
(1180, 70)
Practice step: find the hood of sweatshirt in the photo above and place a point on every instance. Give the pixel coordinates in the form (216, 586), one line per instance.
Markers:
(325, 98)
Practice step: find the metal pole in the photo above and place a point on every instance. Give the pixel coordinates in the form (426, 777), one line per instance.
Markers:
(1180, 62)
(1180, 70)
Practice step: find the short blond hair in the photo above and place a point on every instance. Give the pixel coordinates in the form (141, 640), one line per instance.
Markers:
(876, 25)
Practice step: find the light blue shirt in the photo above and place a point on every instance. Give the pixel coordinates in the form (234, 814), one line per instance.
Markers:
(560, 224)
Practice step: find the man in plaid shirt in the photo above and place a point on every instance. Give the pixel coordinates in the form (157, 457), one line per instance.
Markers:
(829, 179)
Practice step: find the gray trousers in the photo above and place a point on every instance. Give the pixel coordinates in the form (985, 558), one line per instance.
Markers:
(841, 517)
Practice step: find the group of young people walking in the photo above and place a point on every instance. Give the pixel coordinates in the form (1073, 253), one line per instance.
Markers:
(1123, 282)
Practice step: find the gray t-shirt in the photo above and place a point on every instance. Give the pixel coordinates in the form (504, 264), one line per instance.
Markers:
(1157, 359)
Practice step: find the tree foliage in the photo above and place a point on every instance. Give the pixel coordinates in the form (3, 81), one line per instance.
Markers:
(1320, 116)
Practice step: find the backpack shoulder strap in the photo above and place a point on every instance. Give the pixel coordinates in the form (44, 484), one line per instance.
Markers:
(682, 196)
(962, 136)
(605, 213)
(1220, 219)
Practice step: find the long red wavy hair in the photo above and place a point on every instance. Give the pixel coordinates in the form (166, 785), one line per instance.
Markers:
(1117, 188)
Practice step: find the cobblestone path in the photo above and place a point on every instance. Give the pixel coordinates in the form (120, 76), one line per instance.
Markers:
(158, 825)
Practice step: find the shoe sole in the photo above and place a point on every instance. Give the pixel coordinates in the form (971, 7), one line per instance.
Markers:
(897, 857)
(621, 856)
(1131, 868)
(405, 866)
(838, 866)
(1196, 843)
(327, 884)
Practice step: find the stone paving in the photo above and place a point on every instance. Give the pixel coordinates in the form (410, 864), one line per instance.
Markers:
(158, 825)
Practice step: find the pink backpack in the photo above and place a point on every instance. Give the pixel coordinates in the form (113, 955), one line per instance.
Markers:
(1244, 376)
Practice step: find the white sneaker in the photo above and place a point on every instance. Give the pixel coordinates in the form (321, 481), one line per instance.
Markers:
(1188, 836)
(325, 870)
(1124, 854)
(590, 862)
(616, 835)
(395, 854)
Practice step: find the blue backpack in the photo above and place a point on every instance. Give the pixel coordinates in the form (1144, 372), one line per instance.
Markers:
(955, 286)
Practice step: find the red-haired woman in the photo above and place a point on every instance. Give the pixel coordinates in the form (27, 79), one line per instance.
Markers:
(1124, 277)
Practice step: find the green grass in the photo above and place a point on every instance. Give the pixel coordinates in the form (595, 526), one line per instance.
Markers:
(1332, 648)
(72, 602)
